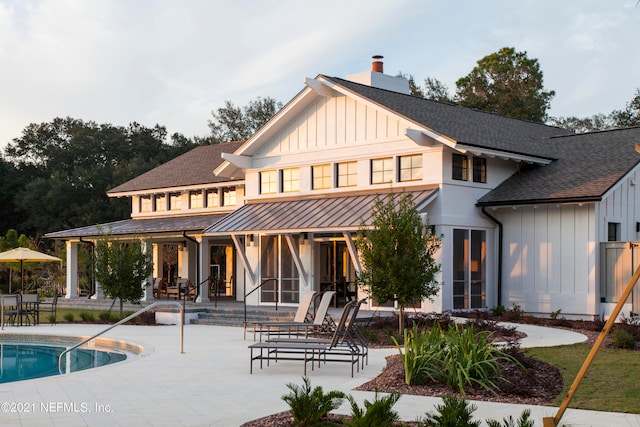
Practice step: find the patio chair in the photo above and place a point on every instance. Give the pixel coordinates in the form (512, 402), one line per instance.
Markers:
(311, 349)
(49, 308)
(9, 309)
(159, 287)
(321, 319)
(28, 309)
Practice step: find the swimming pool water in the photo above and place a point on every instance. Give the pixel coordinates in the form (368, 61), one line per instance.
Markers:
(19, 361)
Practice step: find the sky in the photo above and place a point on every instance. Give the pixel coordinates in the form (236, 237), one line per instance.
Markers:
(172, 63)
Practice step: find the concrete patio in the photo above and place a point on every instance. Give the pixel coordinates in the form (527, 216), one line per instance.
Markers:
(210, 384)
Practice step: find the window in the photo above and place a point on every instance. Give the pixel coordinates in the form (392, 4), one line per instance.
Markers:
(195, 199)
(613, 231)
(411, 168)
(145, 204)
(213, 200)
(290, 180)
(269, 182)
(229, 197)
(469, 269)
(460, 167)
(160, 202)
(382, 170)
(321, 177)
(347, 174)
(479, 169)
(175, 201)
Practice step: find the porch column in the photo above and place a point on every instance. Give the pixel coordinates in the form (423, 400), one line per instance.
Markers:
(203, 266)
(148, 247)
(72, 269)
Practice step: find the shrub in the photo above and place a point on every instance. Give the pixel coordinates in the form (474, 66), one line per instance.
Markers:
(422, 354)
(524, 421)
(308, 406)
(458, 357)
(106, 316)
(378, 413)
(555, 314)
(454, 412)
(87, 317)
(69, 317)
(623, 339)
(52, 318)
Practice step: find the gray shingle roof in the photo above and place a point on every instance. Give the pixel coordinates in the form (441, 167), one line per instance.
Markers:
(191, 168)
(472, 127)
(587, 166)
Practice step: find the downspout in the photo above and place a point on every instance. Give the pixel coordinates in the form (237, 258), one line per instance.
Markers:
(500, 244)
(93, 265)
(198, 277)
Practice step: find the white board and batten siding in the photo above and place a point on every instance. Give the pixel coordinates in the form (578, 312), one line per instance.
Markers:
(550, 258)
(338, 129)
(621, 205)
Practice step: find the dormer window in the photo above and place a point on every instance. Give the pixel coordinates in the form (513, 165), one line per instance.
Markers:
(160, 203)
(459, 167)
(175, 201)
(195, 199)
(229, 196)
(146, 204)
(213, 199)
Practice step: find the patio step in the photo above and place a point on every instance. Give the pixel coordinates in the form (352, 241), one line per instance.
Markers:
(235, 316)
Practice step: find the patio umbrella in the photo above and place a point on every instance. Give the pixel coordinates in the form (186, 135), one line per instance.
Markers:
(23, 255)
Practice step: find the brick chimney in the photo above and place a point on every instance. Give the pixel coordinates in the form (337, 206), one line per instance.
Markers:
(376, 65)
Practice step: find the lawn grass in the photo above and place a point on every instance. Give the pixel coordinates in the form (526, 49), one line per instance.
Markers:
(611, 383)
(78, 313)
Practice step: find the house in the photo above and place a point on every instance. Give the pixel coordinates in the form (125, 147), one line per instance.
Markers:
(530, 215)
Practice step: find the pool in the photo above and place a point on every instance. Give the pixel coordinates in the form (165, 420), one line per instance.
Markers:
(24, 357)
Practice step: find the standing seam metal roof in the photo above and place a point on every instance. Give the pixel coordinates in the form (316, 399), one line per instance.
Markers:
(326, 213)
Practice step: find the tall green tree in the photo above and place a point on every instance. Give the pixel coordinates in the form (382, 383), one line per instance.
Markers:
(64, 168)
(231, 123)
(122, 269)
(627, 117)
(507, 83)
(398, 254)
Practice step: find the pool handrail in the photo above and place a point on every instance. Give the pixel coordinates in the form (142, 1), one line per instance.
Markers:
(126, 319)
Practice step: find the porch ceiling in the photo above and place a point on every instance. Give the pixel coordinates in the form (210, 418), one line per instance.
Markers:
(331, 213)
(192, 223)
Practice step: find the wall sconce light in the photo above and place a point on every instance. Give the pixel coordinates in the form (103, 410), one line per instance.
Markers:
(303, 238)
(249, 240)
(637, 227)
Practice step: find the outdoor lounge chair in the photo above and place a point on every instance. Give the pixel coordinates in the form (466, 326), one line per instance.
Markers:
(320, 318)
(302, 315)
(351, 340)
(311, 349)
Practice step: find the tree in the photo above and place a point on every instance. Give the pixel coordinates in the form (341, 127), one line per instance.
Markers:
(64, 168)
(231, 123)
(122, 268)
(507, 83)
(397, 253)
(627, 117)
(433, 89)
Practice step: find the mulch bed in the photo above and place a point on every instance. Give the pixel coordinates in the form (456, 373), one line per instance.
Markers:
(540, 384)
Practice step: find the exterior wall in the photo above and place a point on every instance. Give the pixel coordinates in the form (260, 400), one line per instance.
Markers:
(550, 258)
(338, 129)
(622, 205)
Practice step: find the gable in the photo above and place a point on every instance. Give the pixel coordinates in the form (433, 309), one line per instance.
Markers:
(333, 122)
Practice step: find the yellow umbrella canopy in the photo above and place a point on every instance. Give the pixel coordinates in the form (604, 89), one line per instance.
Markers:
(23, 255)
